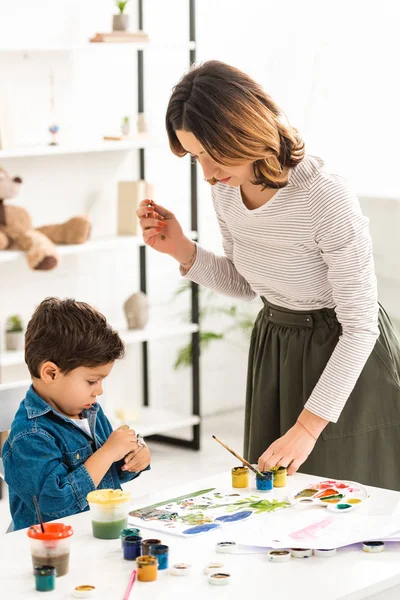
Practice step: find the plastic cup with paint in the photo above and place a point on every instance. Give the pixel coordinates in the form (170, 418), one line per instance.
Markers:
(265, 482)
(45, 578)
(149, 542)
(160, 551)
(51, 548)
(109, 512)
(147, 568)
(240, 477)
(128, 531)
(132, 547)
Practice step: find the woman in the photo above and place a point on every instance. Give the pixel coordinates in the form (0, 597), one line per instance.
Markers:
(323, 377)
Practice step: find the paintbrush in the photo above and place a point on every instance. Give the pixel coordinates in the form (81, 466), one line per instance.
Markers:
(38, 513)
(242, 460)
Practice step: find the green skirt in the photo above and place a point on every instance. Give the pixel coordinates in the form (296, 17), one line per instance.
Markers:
(288, 352)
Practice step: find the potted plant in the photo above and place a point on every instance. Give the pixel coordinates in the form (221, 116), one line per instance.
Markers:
(125, 126)
(14, 333)
(121, 20)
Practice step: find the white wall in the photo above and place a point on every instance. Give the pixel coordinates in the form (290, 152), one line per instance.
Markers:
(331, 66)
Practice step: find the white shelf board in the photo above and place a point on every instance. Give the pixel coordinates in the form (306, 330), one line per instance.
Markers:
(150, 421)
(97, 146)
(117, 241)
(71, 47)
(152, 332)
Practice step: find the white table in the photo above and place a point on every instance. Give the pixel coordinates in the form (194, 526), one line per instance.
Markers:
(350, 575)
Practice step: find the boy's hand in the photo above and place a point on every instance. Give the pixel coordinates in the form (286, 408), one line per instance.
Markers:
(137, 460)
(122, 441)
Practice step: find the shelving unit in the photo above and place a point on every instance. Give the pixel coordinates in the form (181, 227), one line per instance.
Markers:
(152, 422)
(90, 147)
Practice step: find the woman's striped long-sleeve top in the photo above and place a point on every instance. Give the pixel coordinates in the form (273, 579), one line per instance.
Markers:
(307, 248)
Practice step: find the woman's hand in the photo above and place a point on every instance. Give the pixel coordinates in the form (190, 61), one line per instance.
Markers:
(163, 232)
(290, 450)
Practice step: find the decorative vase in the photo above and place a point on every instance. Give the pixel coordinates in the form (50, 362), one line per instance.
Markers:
(120, 22)
(136, 309)
(14, 340)
(125, 126)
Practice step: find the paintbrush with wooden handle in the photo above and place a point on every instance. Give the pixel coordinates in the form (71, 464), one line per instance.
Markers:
(242, 460)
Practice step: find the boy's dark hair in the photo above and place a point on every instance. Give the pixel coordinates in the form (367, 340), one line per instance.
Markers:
(71, 334)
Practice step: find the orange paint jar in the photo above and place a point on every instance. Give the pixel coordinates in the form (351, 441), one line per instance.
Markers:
(147, 567)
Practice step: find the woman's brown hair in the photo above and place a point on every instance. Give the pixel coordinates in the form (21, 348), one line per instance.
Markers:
(235, 121)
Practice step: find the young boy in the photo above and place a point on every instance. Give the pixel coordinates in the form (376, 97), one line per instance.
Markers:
(61, 445)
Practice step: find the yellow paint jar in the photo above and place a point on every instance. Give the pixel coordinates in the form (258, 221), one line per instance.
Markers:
(279, 476)
(147, 567)
(240, 477)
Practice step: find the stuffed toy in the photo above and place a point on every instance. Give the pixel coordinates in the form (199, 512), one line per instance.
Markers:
(17, 233)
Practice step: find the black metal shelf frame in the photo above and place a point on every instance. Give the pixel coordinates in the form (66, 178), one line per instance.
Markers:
(194, 442)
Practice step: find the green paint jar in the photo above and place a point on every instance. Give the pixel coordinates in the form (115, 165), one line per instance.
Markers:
(45, 578)
(109, 511)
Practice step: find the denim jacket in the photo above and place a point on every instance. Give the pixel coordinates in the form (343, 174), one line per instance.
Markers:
(43, 457)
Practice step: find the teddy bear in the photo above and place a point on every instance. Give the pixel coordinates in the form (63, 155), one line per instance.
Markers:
(17, 233)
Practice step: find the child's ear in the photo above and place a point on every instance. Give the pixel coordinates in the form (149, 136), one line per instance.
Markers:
(49, 372)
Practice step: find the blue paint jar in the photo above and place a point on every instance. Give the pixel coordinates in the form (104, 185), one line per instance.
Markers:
(45, 578)
(132, 547)
(128, 531)
(160, 551)
(265, 483)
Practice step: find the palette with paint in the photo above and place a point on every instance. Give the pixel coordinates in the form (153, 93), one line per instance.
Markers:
(337, 496)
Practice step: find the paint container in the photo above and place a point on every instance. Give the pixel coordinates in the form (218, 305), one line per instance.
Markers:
(84, 591)
(240, 477)
(373, 546)
(132, 547)
(226, 547)
(147, 567)
(213, 567)
(45, 578)
(322, 553)
(301, 552)
(180, 569)
(51, 548)
(279, 555)
(266, 482)
(280, 474)
(147, 543)
(109, 512)
(160, 551)
(219, 578)
(128, 531)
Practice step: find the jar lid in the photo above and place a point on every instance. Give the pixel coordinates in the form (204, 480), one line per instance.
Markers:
(52, 531)
(225, 547)
(213, 567)
(301, 552)
(219, 578)
(279, 555)
(108, 497)
(373, 546)
(84, 591)
(323, 553)
(180, 569)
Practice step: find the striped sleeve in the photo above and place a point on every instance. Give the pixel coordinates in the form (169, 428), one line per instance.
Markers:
(341, 232)
(218, 273)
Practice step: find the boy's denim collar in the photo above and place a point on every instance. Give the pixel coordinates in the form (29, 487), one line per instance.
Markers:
(36, 406)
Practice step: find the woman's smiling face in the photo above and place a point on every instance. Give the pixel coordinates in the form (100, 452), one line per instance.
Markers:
(233, 176)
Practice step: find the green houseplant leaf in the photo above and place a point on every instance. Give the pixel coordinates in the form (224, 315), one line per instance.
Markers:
(14, 324)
